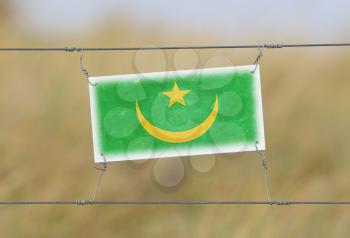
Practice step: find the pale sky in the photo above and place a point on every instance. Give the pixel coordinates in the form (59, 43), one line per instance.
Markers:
(319, 20)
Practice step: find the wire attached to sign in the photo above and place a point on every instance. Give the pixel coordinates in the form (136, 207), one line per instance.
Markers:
(264, 164)
(85, 72)
(99, 180)
(258, 57)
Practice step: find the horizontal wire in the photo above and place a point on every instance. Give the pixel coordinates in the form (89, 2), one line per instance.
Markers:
(269, 46)
(165, 202)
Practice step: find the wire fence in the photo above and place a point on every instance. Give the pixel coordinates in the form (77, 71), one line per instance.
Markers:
(176, 202)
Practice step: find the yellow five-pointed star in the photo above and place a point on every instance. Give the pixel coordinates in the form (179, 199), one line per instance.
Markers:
(177, 95)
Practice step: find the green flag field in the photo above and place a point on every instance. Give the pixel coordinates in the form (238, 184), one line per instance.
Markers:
(176, 113)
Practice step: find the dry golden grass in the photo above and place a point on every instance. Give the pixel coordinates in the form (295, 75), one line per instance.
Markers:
(46, 148)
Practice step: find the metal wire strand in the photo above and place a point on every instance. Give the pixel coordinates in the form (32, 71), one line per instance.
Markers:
(199, 47)
(85, 72)
(99, 180)
(261, 153)
(258, 57)
(174, 202)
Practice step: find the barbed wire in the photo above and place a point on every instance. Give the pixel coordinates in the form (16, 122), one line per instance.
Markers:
(198, 47)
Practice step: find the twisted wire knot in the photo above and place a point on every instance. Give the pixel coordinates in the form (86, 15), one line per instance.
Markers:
(260, 54)
(280, 202)
(83, 202)
(72, 49)
(103, 169)
(272, 46)
(85, 72)
(264, 163)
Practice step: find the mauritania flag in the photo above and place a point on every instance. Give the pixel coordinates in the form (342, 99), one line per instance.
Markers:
(177, 113)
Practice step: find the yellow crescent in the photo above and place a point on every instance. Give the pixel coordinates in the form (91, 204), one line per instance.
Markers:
(178, 136)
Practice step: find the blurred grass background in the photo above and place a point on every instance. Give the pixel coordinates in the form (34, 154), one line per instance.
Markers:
(46, 144)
